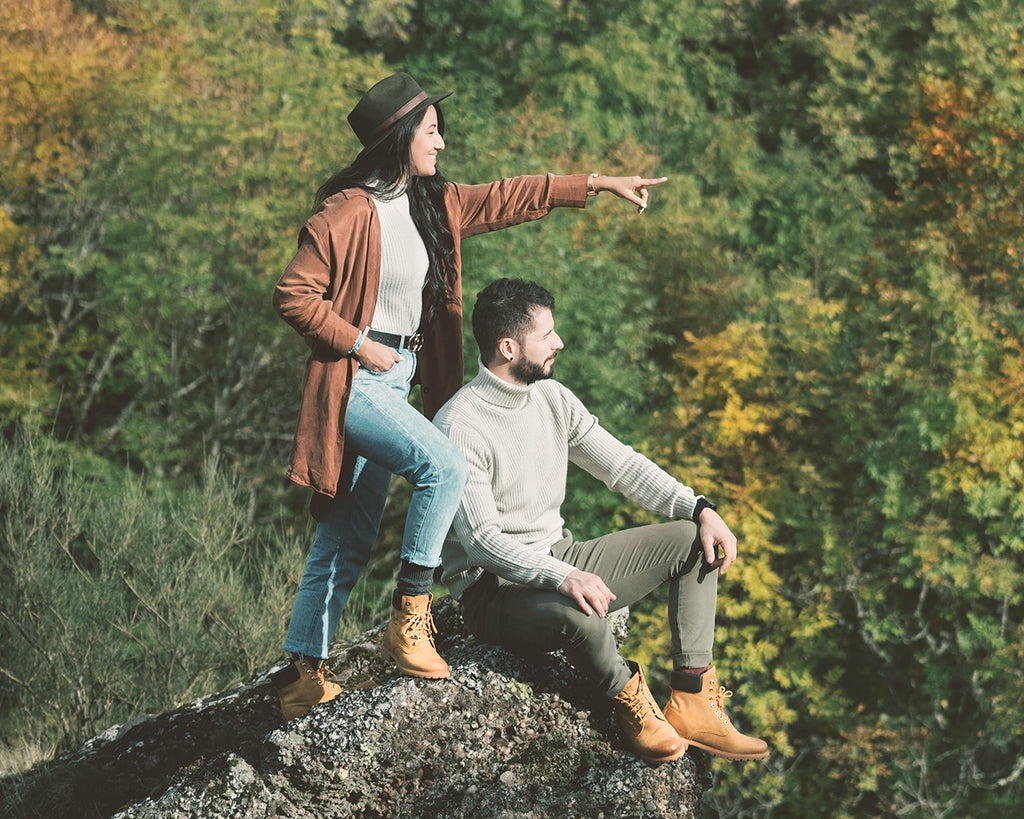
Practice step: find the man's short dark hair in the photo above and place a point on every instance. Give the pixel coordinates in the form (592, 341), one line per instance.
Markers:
(504, 309)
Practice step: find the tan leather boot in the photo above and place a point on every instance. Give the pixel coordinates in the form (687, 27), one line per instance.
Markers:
(643, 725)
(302, 685)
(409, 639)
(698, 715)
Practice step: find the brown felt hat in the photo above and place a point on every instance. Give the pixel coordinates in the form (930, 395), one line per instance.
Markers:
(385, 104)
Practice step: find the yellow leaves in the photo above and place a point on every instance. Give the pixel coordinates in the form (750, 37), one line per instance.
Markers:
(1010, 387)
(730, 381)
(983, 459)
(964, 141)
(943, 558)
(16, 256)
(54, 63)
(738, 420)
(935, 550)
(1008, 687)
(726, 362)
(993, 579)
(864, 757)
(737, 353)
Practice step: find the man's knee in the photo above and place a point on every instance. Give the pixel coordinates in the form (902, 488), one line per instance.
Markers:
(574, 628)
(686, 544)
(686, 531)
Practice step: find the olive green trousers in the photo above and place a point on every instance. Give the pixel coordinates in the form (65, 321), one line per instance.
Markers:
(632, 563)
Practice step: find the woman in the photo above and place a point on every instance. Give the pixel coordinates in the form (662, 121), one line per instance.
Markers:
(375, 289)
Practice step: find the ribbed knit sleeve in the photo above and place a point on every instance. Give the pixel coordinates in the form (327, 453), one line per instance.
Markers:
(626, 471)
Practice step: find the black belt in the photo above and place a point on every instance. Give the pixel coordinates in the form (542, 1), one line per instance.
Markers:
(413, 343)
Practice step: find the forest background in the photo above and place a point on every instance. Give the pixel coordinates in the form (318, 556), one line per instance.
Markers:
(818, 323)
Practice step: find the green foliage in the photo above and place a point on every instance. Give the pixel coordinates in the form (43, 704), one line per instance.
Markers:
(119, 599)
(864, 420)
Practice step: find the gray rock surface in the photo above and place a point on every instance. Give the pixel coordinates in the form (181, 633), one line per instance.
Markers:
(506, 737)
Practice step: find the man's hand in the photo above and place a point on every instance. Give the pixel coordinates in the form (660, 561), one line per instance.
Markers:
(714, 533)
(589, 592)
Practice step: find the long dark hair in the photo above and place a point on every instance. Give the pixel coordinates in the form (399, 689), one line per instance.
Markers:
(383, 171)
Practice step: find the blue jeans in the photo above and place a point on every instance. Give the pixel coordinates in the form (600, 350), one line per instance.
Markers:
(387, 436)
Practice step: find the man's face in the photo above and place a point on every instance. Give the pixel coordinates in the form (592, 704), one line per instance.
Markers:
(536, 350)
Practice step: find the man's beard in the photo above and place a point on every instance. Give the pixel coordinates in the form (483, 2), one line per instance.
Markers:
(526, 372)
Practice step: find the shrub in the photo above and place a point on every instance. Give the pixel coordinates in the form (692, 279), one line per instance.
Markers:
(119, 597)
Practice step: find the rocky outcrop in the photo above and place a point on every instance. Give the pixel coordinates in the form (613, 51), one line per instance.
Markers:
(506, 737)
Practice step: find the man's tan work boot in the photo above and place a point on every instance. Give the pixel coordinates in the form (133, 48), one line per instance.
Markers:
(696, 710)
(409, 639)
(647, 733)
(302, 685)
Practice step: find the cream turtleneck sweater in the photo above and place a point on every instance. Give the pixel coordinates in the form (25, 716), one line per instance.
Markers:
(518, 442)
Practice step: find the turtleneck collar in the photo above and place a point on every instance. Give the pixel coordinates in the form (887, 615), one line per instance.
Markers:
(499, 392)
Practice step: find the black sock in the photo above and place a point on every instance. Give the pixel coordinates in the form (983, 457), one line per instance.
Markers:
(412, 581)
(687, 680)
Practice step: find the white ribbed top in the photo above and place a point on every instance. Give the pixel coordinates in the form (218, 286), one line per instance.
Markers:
(518, 442)
(403, 268)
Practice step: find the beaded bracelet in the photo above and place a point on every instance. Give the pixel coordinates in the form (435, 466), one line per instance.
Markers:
(359, 340)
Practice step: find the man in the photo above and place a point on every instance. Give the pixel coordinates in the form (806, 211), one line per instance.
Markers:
(522, 579)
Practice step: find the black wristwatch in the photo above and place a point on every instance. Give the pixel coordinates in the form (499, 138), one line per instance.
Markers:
(701, 504)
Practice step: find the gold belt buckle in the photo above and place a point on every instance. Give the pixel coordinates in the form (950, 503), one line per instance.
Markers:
(414, 343)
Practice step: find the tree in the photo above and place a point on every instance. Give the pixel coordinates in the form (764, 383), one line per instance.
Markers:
(58, 74)
(871, 413)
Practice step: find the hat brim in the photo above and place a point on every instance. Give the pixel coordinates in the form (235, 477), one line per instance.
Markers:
(423, 106)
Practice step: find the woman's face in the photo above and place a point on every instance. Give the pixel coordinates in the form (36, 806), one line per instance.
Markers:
(426, 143)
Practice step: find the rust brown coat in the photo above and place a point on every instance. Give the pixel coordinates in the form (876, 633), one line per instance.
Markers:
(328, 293)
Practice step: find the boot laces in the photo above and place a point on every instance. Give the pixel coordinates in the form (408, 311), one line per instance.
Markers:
(317, 674)
(717, 698)
(641, 706)
(419, 625)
